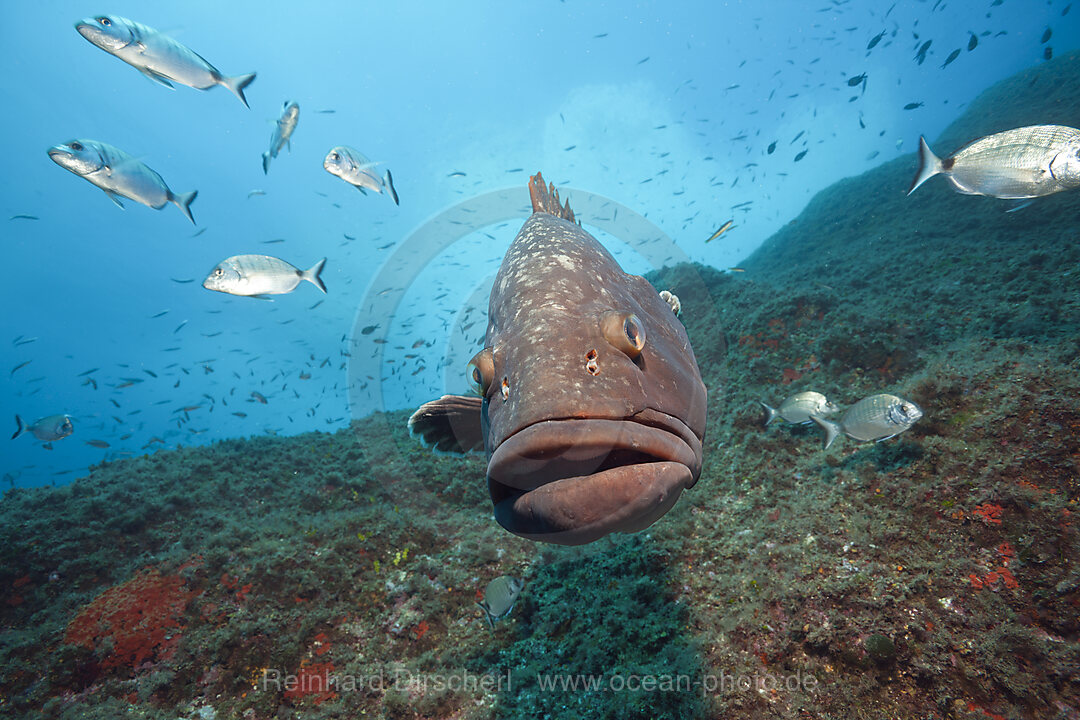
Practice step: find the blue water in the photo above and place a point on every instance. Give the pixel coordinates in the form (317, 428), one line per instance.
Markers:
(669, 107)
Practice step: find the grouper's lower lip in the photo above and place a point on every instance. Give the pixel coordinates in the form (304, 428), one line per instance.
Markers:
(554, 450)
(572, 481)
(580, 510)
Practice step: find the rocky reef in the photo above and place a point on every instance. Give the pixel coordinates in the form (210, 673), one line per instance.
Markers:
(932, 575)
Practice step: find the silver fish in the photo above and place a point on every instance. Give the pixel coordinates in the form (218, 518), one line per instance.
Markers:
(158, 56)
(798, 408)
(351, 166)
(119, 175)
(878, 417)
(283, 130)
(499, 598)
(258, 275)
(46, 429)
(1016, 164)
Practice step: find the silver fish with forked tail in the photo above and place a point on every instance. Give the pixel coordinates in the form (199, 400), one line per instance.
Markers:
(590, 404)
(119, 175)
(260, 275)
(798, 408)
(283, 130)
(158, 56)
(46, 429)
(353, 167)
(1017, 164)
(878, 417)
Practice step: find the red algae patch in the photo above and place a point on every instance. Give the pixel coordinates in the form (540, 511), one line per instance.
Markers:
(135, 622)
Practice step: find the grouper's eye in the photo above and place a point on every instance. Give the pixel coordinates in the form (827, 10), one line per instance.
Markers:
(76, 146)
(481, 371)
(625, 331)
(105, 21)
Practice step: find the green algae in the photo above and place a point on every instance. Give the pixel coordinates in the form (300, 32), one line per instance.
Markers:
(596, 629)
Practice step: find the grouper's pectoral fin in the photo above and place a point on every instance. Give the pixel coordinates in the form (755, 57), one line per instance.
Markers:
(450, 424)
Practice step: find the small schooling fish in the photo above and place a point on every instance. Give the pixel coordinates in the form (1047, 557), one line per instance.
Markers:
(158, 56)
(723, 229)
(920, 56)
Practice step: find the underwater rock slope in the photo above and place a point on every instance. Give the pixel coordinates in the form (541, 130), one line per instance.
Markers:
(932, 575)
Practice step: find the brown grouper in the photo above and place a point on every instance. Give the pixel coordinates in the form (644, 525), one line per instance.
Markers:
(591, 407)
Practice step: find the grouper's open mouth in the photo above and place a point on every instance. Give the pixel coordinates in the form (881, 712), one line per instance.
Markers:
(574, 480)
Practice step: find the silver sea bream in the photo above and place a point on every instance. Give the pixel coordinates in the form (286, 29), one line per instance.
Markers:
(46, 429)
(499, 598)
(158, 56)
(283, 130)
(353, 167)
(259, 275)
(874, 418)
(798, 408)
(1017, 164)
(119, 175)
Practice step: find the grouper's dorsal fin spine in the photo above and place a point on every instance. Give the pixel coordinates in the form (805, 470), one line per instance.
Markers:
(546, 199)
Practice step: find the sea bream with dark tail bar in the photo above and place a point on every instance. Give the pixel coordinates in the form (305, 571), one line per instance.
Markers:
(353, 167)
(590, 405)
(1017, 164)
